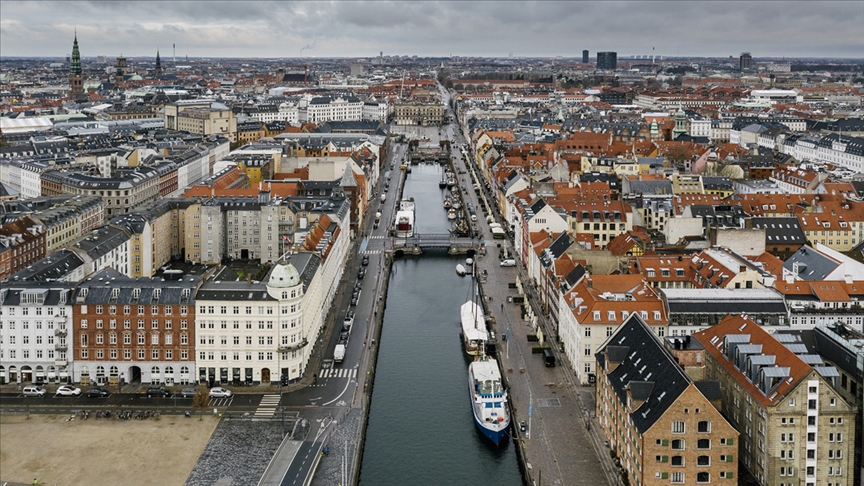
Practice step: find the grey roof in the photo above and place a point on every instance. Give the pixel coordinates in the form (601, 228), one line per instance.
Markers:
(100, 242)
(779, 231)
(109, 286)
(711, 389)
(53, 267)
(53, 292)
(649, 187)
(724, 301)
(811, 264)
(642, 360)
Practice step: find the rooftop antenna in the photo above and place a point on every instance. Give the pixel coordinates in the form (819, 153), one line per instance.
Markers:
(174, 55)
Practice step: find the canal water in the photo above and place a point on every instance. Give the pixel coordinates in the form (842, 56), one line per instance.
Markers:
(421, 428)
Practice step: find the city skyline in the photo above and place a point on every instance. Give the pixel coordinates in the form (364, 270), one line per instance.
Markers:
(484, 29)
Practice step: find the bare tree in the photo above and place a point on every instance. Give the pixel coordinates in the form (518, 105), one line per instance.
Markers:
(200, 401)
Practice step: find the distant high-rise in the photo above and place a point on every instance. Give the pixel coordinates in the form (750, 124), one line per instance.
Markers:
(585, 56)
(746, 61)
(121, 66)
(76, 80)
(607, 61)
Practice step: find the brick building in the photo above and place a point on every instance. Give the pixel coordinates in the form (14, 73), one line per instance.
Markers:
(22, 242)
(134, 330)
(660, 424)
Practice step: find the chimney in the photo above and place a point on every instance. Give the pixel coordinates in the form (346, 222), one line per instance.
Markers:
(589, 284)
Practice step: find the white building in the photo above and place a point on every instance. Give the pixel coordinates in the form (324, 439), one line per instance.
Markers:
(35, 332)
(326, 108)
(376, 110)
(256, 332)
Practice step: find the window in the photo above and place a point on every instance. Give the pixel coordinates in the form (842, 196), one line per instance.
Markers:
(703, 444)
(703, 461)
(678, 427)
(678, 461)
(703, 477)
(587, 331)
(678, 444)
(703, 427)
(677, 477)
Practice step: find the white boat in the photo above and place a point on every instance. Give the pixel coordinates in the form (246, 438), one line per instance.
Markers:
(447, 203)
(469, 262)
(489, 400)
(405, 218)
(474, 332)
(461, 271)
(451, 214)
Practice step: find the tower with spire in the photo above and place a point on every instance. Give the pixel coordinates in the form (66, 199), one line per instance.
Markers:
(76, 79)
(158, 70)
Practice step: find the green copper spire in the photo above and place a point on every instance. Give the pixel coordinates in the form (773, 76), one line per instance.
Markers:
(75, 67)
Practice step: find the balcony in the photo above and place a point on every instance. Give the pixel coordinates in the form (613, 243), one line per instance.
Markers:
(293, 347)
(60, 332)
(60, 362)
(61, 348)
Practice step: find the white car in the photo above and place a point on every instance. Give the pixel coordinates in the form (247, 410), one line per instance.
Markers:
(68, 391)
(508, 262)
(219, 392)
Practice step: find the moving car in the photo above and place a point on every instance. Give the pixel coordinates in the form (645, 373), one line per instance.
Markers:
(219, 392)
(34, 391)
(365, 261)
(158, 391)
(98, 393)
(68, 391)
(508, 262)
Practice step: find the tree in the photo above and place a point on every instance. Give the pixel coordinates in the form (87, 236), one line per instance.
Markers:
(200, 401)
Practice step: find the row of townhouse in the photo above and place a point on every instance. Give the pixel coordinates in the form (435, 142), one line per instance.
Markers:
(111, 329)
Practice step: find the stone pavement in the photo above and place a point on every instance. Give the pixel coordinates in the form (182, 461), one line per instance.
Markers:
(330, 469)
(238, 452)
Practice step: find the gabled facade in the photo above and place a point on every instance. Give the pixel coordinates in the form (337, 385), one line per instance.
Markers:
(657, 421)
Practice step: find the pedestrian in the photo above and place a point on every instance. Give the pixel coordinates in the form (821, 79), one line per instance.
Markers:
(502, 306)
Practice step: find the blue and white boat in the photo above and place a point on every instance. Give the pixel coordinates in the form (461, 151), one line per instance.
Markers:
(489, 400)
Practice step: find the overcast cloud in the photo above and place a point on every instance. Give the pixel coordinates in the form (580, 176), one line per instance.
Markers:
(466, 28)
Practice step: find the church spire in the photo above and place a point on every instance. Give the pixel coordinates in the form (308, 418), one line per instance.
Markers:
(76, 80)
(158, 69)
(75, 66)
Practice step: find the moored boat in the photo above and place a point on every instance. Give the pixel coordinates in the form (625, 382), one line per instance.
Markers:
(474, 333)
(489, 400)
(451, 214)
(405, 218)
(461, 270)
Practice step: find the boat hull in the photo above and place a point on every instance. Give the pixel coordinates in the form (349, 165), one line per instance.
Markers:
(496, 431)
(497, 437)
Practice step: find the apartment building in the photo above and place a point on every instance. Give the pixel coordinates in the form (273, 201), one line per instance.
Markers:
(22, 242)
(796, 429)
(602, 221)
(598, 305)
(201, 117)
(661, 425)
(134, 330)
(35, 322)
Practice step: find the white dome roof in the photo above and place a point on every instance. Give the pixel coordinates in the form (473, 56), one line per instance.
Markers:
(284, 276)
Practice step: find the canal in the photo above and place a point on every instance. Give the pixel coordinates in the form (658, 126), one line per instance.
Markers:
(421, 428)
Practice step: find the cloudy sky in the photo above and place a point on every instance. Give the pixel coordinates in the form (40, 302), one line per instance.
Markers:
(468, 28)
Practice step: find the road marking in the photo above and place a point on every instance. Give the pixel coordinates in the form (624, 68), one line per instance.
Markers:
(348, 382)
(338, 373)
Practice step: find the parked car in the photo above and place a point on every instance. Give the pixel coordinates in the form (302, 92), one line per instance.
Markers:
(68, 391)
(98, 393)
(353, 301)
(158, 391)
(365, 261)
(187, 392)
(362, 273)
(219, 392)
(34, 391)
